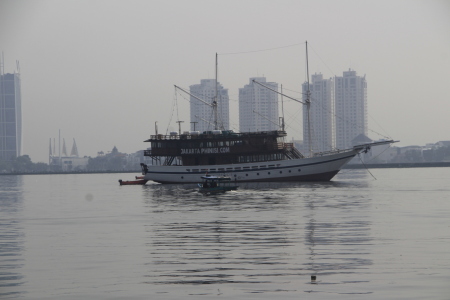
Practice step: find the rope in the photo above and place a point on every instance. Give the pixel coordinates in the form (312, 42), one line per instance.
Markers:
(261, 50)
(359, 156)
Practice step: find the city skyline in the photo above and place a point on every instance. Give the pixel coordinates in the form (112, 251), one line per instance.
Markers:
(108, 79)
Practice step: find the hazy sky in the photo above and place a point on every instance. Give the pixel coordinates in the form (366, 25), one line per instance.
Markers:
(103, 71)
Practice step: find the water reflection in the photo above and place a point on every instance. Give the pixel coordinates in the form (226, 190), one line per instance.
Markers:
(11, 235)
(233, 238)
(189, 190)
(163, 198)
(215, 251)
(337, 236)
(260, 236)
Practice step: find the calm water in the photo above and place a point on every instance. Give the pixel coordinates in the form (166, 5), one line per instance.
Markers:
(86, 237)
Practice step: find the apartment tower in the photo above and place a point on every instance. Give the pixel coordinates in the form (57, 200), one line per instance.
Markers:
(351, 108)
(10, 115)
(202, 115)
(258, 106)
(321, 115)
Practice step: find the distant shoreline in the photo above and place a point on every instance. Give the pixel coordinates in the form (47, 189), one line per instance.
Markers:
(349, 166)
(139, 172)
(398, 165)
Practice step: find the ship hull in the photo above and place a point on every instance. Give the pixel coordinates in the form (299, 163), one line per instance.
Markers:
(319, 168)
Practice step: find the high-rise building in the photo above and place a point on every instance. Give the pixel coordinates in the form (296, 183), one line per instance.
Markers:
(258, 106)
(351, 108)
(202, 115)
(10, 115)
(321, 115)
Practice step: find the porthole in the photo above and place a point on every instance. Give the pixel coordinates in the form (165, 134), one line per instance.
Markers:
(289, 171)
(299, 170)
(257, 174)
(268, 173)
(246, 174)
(281, 172)
(182, 177)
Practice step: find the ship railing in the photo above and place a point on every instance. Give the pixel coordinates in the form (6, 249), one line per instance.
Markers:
(281, 146)
(335, 151)
(164, 137)
(211, 135)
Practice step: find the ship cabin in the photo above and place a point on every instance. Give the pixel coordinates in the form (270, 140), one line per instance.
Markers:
(219, 147)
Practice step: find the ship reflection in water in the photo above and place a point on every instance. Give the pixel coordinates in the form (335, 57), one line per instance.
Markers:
(385, 238)
(337, 246)
(11, 236)
(257, 238)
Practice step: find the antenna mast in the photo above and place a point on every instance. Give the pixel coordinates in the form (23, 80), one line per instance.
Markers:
(308, 102)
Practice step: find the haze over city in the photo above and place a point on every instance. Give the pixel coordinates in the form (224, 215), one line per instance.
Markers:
(103, 72)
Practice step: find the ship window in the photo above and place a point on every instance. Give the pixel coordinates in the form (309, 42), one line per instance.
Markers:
(188, 170)
(194, 170)
(299, 170)
(246, 168)
(182, 177)
(237, 168)
(255, 167)
(281, 172)
(221, 169)
(212, 170)
(246, 174)
(268, 173)
(257, 174)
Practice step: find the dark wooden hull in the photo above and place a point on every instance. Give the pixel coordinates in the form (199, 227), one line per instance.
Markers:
(133, 182)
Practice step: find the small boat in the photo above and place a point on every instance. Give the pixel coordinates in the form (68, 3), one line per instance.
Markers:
(133, 182)
(216, 184)
(139, 177)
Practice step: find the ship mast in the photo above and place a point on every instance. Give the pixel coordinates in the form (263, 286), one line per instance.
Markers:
(214, 104)
(308, 103)
(282, 110)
